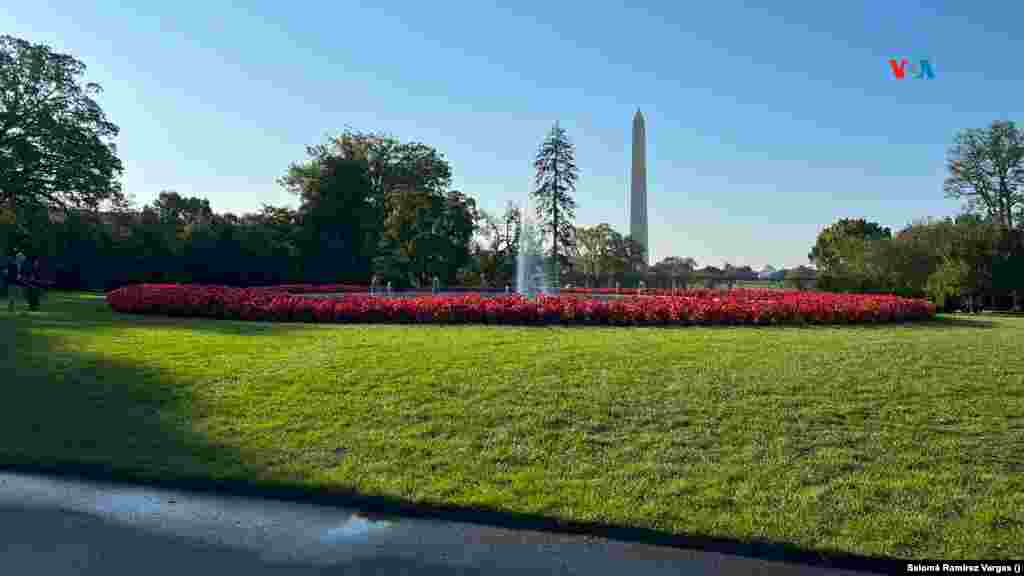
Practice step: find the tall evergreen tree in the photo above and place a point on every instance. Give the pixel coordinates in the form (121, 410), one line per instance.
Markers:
(555, 181)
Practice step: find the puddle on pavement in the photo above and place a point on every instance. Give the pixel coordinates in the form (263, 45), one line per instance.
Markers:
(357, 527)
(127, 504)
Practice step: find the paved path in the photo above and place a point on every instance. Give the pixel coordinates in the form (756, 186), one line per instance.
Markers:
(60, 527)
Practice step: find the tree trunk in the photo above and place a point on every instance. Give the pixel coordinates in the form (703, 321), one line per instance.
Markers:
(554, 211)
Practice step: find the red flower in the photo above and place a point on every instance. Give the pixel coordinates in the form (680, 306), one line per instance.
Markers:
(283, 303)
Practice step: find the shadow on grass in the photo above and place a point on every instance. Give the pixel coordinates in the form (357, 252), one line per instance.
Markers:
(998, 314)
(950, 321)
(65, 407)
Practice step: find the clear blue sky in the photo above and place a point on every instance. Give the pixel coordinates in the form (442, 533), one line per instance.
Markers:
(765, 121)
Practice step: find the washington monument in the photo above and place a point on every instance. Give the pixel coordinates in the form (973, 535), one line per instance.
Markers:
(638, 186)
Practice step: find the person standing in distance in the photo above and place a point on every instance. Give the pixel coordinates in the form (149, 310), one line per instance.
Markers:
(13, 274)
(5, 279)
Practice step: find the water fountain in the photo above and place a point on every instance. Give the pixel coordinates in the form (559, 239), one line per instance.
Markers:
(531, 279)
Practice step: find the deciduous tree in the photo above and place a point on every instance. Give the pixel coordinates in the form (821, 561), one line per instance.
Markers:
(842, 254)
(986, 168)
(501, 236)
(56, 148)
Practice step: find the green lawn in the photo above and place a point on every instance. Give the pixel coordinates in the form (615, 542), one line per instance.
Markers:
(901, 441)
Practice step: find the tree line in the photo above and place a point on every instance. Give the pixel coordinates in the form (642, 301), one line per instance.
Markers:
(367, 204)
(972, 260)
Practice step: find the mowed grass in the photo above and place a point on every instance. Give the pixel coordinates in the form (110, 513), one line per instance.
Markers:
(903, 441)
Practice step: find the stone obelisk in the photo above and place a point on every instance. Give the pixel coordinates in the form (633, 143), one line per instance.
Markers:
(638, 186)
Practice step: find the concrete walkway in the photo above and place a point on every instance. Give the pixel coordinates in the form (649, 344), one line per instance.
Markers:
(61, 527)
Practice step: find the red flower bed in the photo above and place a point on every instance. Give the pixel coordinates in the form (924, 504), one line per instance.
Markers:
(687, 307)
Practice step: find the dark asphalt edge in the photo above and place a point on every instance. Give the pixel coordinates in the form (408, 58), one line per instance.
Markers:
(387, 506)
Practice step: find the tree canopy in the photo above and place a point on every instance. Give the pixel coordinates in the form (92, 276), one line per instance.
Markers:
(55, 140)
(986, 168)
(371, 203)
(498, 250)
(600, 253)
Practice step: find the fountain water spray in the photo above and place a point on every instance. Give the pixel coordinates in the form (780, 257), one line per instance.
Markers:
(530, 275)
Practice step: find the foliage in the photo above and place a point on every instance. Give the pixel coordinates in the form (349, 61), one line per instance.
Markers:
(917, 251)
(594, 252)
(950, 279)
(373, 203)
(365, 200)
(496, 258)
(108, 249)
(986, 168)
(601, 255)
(842, 255)
(555, 181)
(426, 235)
(975, 244)
(392, 166)
(8, 222)
(55, 141)
(828, 250)
(800, 278)
(338, 230)
(676, 265)
(977, 254)
(1008, 275)
(739, 272)
(674, 270)
(182, 212)
(628, 255)
(591, 252)
(945, 259)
